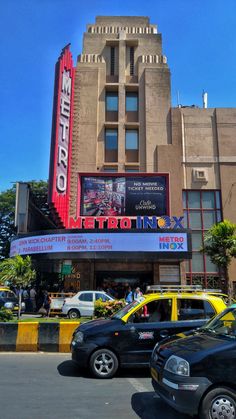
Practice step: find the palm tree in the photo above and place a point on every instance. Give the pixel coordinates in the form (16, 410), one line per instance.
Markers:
(17, 271)
(220, 245)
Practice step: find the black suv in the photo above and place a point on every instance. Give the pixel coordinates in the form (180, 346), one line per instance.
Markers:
(195, 372)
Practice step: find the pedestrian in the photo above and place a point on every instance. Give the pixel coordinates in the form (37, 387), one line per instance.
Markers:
(33, 294)
(129, 296)
(137, 293)
(26, 299)
(47, 303)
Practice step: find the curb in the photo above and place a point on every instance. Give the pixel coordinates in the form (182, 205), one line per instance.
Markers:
(34, 336)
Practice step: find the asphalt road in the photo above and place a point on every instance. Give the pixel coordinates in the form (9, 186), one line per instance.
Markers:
(48, 386)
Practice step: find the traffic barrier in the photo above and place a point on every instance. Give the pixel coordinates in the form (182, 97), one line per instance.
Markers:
(65, 333)
(35, 336)
(27, 337)
(8, 336)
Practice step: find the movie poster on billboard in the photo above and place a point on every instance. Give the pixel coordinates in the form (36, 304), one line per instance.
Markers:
(123, 196)
(103, 196)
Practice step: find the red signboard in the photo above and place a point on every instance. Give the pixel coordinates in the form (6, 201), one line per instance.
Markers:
(60, 159)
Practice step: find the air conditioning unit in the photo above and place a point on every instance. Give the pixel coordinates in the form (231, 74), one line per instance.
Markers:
(200, 175)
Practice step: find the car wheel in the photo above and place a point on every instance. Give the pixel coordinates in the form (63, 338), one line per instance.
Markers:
(219, 403)
(74, 314)
(103, 363)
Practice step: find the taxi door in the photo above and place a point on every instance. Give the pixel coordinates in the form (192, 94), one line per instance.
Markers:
(139, 335)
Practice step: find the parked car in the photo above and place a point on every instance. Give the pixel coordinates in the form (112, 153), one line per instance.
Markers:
(129, 336)
(8, 299)
(195, 372)
(82, 304)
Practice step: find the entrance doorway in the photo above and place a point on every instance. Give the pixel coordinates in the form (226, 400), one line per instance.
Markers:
(116, 283)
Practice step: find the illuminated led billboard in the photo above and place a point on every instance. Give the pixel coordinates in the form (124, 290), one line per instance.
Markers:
(124, 195)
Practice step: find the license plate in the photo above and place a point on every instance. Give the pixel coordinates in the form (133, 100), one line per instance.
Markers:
(154, 374)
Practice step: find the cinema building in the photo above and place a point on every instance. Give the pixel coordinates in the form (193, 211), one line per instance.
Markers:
(134, 183)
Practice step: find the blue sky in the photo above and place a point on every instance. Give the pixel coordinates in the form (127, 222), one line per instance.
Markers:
(199, 40)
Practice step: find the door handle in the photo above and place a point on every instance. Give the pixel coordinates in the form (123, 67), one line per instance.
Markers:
(132, 329)
(164, 334)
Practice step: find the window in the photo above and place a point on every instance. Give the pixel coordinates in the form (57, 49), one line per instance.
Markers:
(131, 103)
(112, 61)
(202, 209)
(191, 309)
(111, 102)
(131, 139)
(111, 145)
(101, 296)
(110, 169)
(111, 139)
(86, 296)
(155, 311)
(131, 146)
(131, 58)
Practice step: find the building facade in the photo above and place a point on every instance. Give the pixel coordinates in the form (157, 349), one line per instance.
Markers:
(127, 167)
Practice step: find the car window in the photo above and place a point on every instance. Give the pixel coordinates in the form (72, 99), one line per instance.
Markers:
(192, 309)
(209, 310)
(86, 296)
(101, 296)
(3, 294)
(154, 311)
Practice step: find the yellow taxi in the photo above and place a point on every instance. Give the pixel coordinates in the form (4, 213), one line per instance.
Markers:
(128, 337)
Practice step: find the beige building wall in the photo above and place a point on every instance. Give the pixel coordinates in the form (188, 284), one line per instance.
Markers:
(195, 146)
(151, 80)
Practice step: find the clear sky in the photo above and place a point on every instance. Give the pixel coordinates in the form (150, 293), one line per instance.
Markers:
(199, 40)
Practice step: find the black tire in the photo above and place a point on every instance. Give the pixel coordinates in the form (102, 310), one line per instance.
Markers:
(218, 403)
(74, 314)
(103, 363)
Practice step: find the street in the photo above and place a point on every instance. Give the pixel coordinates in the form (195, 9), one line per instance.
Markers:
(48, 386)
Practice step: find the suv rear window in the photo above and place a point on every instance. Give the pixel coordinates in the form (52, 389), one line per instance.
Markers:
(191, 309)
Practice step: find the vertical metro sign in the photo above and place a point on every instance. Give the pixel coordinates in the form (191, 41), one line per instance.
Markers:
(59, 177)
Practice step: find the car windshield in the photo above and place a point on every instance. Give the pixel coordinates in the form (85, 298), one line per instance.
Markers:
(224, 324)
(127, 308)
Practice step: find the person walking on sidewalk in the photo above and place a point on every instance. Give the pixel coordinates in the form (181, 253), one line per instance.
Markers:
(47, 303)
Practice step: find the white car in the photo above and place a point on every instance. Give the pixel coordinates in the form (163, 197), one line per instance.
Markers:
(82, 304)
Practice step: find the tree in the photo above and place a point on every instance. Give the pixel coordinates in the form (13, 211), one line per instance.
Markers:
(7, 213)
(220, 245)
(18, 272)
(39, 190)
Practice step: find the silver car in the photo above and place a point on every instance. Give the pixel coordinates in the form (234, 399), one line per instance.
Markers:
(82, 304)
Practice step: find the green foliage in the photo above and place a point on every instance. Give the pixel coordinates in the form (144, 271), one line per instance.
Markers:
(5, 315)
(17, 271)
(7, 214)
(107, 308)
(220, 243)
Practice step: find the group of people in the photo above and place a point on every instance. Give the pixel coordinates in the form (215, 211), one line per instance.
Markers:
(35, 300)
(121, 291)
(132, 295)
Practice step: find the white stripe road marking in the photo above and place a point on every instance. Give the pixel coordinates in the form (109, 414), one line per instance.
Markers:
(137, 385)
